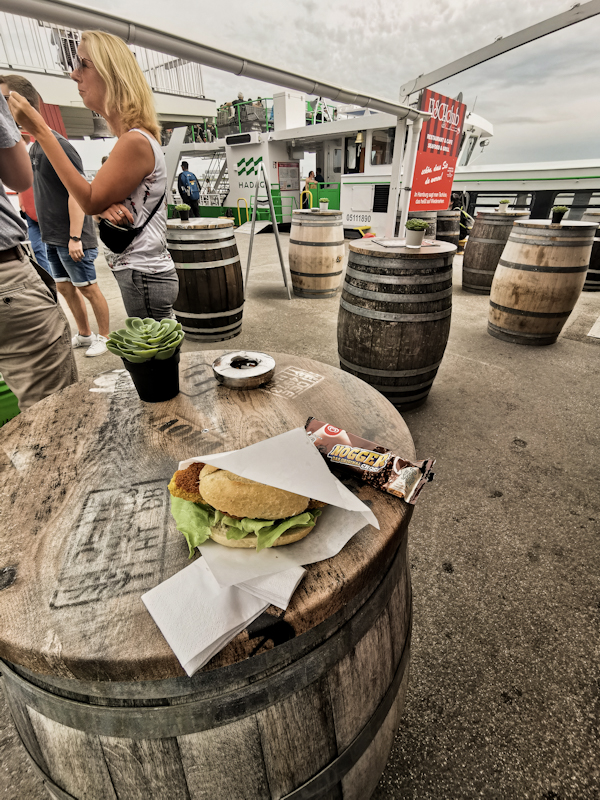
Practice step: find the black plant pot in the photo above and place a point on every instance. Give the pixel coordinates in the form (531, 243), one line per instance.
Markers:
(184, 215)
(557, 216)
(155, 381)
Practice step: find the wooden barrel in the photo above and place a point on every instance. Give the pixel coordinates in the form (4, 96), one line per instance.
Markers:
(303, 703)
(538, 280)
(484, 247)
(592, 278)
(394, 318)
(430, 217)
(448, 226)
(316, 253)
(211, 288)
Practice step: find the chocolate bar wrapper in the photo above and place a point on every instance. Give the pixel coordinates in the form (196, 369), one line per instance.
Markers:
(374, 463)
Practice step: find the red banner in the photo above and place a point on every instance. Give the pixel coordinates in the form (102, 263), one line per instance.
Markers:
(438, 152)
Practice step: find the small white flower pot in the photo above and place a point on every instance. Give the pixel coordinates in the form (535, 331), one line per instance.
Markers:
(502, 208)
(323, 206)
(414, 238)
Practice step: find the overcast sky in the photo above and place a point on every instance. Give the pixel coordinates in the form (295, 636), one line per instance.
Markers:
(542, 98)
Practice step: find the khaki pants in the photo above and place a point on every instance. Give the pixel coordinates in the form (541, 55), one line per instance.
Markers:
(36, 358)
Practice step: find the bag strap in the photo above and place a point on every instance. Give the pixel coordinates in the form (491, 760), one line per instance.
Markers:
(153, 212)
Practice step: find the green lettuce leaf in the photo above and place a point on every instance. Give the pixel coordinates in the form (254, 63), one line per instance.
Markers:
(268, 537)
(239, 528)
(193, 520)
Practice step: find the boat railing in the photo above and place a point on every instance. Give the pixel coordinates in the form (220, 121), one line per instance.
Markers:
(318, 111)
(284, 204)
(247, 115)
(538, 202)
(244, 116)
(36, 46)
(322, 191)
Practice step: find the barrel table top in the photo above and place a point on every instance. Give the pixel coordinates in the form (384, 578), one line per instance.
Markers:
(86, 527)
(299, 213)
(547, 223)
(198, 223)
(370, 247)
(499, 215)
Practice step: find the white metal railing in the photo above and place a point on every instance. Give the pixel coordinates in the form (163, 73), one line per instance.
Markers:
(43, 47)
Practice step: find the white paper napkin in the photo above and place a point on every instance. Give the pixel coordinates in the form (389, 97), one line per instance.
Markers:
(198, 617)
(275, 589)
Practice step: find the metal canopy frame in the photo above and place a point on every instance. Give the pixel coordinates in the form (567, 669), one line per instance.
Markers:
(75, 16)
(503, 44)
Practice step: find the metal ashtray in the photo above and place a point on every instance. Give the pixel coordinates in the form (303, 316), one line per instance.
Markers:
(244, 369)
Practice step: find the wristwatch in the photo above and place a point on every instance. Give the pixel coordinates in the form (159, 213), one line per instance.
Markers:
(75, 238)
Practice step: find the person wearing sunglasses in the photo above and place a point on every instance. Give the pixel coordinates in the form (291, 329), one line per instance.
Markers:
(130, 188)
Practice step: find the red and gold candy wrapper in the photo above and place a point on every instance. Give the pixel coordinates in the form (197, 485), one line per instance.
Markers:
(375, 463)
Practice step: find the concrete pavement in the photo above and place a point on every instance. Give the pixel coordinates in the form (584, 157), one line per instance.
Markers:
(504, 690)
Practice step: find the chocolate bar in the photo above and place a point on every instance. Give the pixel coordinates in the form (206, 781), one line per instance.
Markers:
(374, 463)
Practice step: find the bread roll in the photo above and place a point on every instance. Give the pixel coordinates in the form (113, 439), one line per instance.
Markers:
(242, 497)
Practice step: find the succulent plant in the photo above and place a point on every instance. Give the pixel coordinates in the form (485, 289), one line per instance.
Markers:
(183, 207)
(504, 202)
(323, 200)
(560, 209)
(143, 339)
(416, 225)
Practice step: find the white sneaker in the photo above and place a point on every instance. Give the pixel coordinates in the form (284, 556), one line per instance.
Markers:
(98, 347)
(83, 341)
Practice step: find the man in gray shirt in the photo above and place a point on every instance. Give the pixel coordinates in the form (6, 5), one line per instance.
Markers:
(36, 358)
(68, 234)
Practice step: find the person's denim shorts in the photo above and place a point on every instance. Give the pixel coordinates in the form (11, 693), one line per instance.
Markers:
(80, 273)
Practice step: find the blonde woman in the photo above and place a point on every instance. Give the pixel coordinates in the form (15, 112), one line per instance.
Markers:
(132, 182)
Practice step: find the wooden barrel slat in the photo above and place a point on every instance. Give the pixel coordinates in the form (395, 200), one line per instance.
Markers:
(316, 253)
(485, 244)
(394, 318)
(102, 705)
(323, 714)
(430, 217)
(448, 226)
(538, 280)
(592, 279)
(211, 289)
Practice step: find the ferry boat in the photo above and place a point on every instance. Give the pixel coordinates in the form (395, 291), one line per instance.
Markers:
(353, 148)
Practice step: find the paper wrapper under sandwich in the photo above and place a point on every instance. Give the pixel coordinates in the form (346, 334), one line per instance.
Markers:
(374, 463)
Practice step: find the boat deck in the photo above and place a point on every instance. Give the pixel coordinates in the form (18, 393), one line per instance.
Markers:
(505, 556)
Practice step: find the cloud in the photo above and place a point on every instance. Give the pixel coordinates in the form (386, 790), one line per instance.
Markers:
(545, 90)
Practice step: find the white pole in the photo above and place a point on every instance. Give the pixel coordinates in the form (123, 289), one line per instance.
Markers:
(390, 223)
(172, 152)
(409, 171)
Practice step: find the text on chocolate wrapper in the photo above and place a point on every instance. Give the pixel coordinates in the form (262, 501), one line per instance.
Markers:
(355, 456)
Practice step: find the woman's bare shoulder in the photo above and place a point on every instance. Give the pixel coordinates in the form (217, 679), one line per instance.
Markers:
(134, 145)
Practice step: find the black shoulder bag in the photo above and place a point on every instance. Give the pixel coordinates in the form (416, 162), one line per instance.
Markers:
(118, 238)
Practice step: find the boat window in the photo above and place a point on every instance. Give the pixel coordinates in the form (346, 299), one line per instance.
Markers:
(337, 159)
(467, 151)
(382, 146)
(354, 153)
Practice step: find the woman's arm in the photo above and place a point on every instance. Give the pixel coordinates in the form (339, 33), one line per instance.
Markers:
(131, 159)
(15, 167)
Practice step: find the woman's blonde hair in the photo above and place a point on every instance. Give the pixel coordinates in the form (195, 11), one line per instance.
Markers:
(127, 90)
